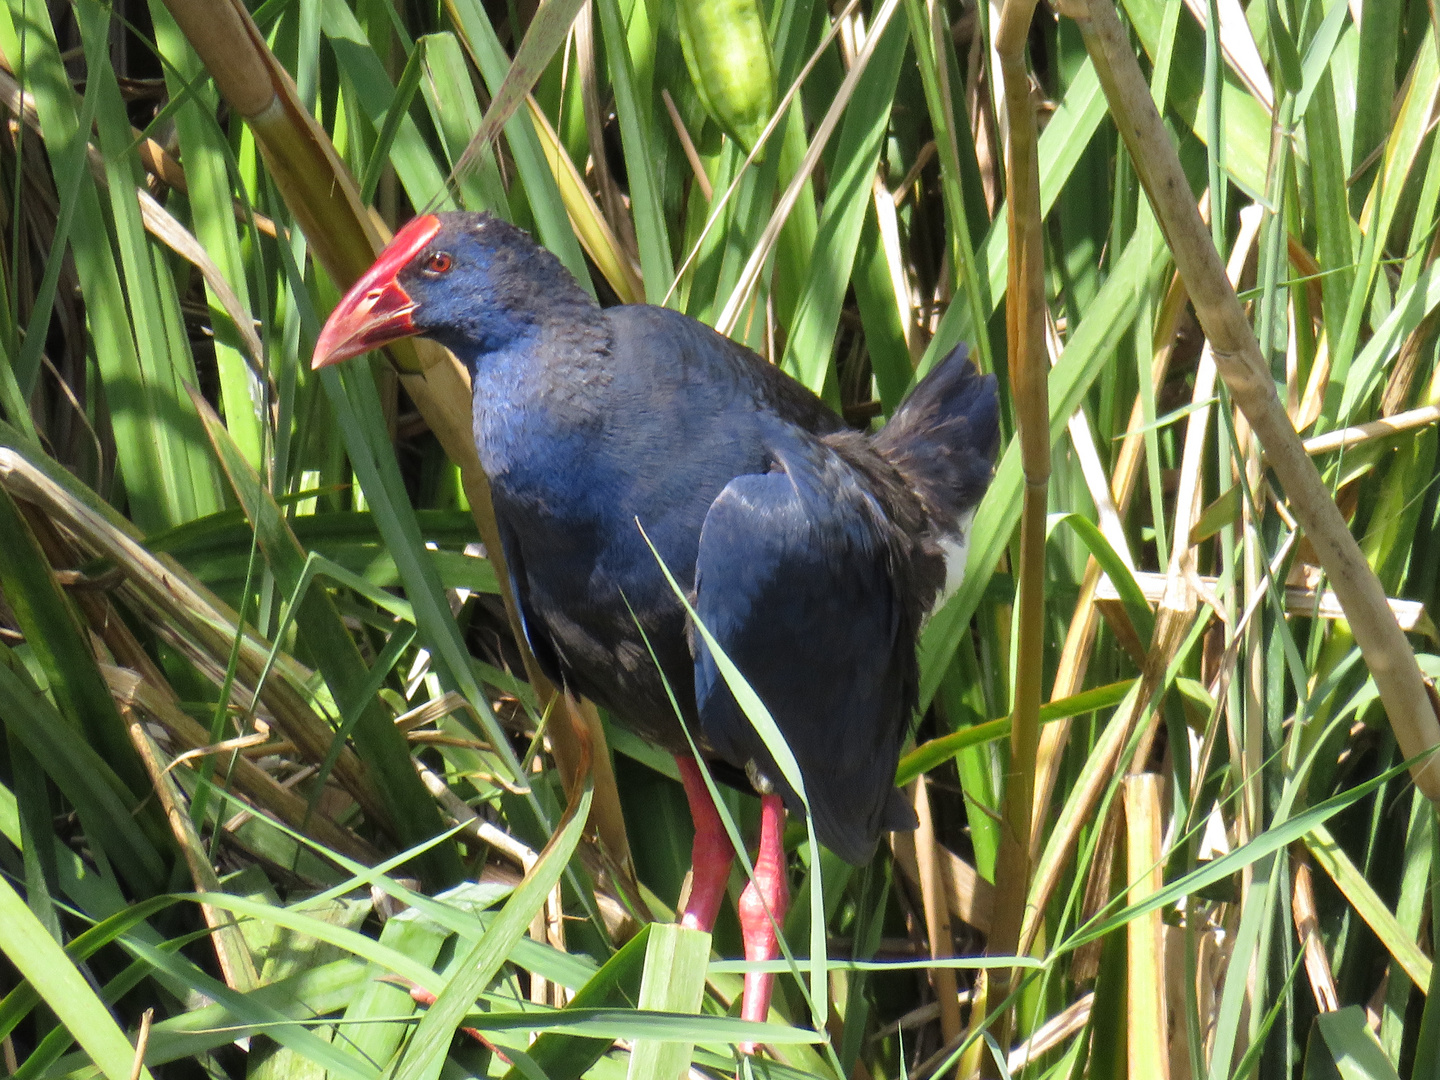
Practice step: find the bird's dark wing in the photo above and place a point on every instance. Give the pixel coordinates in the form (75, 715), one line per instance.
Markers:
(796, 580)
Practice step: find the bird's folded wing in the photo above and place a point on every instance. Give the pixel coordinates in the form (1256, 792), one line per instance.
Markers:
(795, 581)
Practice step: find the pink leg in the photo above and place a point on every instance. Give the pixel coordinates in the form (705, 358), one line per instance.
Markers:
(768, 895)
(710, 857)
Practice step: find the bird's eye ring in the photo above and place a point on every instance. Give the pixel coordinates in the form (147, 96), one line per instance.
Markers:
(439, 263)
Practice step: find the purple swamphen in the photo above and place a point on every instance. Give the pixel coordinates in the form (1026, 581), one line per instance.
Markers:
(814, 551)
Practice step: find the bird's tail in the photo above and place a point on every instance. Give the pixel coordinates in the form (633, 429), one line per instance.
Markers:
(942, 441)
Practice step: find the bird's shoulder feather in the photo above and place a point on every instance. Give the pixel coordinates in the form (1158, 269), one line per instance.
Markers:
(678, 354)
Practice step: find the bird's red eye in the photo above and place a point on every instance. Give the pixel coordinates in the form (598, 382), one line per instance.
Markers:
(439, 263)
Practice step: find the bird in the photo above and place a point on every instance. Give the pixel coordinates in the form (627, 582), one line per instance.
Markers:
(616, 438)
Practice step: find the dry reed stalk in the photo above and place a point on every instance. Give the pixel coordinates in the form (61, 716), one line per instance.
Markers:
(1307, 930)
(1147, 1020)
(937, 915)
(236, 964)
(134, 691)
(1025, 315)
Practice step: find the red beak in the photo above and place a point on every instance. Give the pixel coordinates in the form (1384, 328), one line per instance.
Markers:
(376, 310)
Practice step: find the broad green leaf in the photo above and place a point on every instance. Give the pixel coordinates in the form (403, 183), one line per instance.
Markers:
(565, 1056)
(55, 978)
(673, 982)
(1353, 1049)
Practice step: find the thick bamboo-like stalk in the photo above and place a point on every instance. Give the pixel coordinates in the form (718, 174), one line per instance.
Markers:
(344, 238)
(1387, 653)
(1029, 374)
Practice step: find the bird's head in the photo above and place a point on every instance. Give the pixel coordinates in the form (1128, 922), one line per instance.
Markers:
(470, 281)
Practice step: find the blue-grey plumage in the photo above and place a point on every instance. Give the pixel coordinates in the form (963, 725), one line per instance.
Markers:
(814, 551)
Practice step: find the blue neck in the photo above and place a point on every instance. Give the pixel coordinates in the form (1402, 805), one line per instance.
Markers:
(538, 402)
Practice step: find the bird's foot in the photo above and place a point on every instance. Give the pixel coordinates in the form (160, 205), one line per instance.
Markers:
(421, 996)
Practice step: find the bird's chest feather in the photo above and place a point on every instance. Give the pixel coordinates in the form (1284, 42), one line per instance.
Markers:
(571, 501)
(568, 499)
(539, 467)
(579, 467)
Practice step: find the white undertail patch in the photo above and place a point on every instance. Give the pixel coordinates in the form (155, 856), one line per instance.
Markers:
(956, 546)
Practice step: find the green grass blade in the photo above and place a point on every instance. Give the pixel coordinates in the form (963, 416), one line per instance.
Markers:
(42, 962)
(651, 234)
(396, 113)
(1120, 575)
(552, 223)
(1354, 1051)
(759, 716)
(455, 112)
(192, 1034)
(212, 219)
(164, 484)
(547, 31)
(929, 754)
(480, 964)
(363, 947)
(808, 348)
(365, 75)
